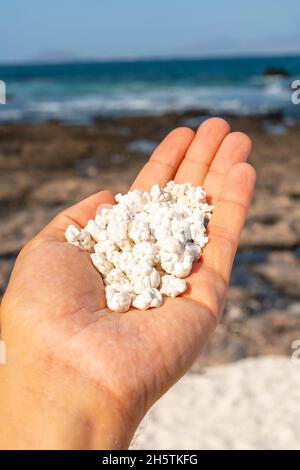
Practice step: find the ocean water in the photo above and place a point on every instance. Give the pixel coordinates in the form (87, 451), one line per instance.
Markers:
(79, 92)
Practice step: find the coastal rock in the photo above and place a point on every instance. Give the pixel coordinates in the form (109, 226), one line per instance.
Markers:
(21, 226)
(281, 234)
(270, 332)
(272, 222)
(293, 217)
(276, 72)
(282, 270)
(87, 167)
(224, 347)
(279, 205)
(56, 154)
(235, 313)
(14, 186)
(238, 299)
(237, 295)
(64, 191)
(294, 309)
(290, 186)
(142, 146)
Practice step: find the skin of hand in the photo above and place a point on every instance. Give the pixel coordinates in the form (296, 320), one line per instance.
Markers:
(79, 376)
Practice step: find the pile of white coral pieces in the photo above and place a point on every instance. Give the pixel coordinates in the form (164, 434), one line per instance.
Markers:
(146, 244)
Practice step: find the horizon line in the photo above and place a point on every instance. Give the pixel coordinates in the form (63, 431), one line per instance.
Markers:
(239, 55)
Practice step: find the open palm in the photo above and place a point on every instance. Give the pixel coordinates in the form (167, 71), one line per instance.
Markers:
(55, 301)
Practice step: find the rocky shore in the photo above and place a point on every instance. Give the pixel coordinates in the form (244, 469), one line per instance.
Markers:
(45, 167)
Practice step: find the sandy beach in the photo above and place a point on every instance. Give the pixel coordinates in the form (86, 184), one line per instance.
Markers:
(251, 404)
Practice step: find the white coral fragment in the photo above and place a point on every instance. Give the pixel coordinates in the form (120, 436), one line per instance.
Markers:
(118, 300)
(148, 298)
(79, 237)
(146, 244)
(172, 286)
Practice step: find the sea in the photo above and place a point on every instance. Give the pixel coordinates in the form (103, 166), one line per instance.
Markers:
(82, 91)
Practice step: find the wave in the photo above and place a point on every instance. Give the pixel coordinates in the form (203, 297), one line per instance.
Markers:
(83, 105)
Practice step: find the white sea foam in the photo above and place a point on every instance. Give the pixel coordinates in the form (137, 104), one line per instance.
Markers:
(156, 100)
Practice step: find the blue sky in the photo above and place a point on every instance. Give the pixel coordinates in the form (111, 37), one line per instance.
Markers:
(43, 29)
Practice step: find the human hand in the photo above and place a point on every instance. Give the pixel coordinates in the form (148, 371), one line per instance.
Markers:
(81, 376)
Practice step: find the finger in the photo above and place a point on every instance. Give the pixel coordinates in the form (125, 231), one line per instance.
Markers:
(165, 160)
(202, 150)
(78, 214)
(234, 149)
(228, 218)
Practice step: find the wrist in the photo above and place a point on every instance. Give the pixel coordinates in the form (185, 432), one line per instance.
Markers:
(59, 410)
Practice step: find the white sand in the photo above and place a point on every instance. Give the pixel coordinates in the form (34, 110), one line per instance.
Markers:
(251, 404)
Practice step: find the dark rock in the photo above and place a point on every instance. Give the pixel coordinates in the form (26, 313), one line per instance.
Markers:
(281, 234)
(21, 226)
(142, 146)
(64, 191)
(270, 333)
(290, 186)
(276, 72)
(282, 270)
(87, 167)
(14, 186)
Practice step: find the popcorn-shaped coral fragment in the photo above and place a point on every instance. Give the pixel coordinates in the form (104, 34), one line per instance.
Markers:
(145, 245)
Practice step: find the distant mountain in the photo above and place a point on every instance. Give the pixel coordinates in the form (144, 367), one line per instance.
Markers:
(55, 57)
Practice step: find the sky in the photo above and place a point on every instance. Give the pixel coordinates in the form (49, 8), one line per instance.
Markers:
(124, 29)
